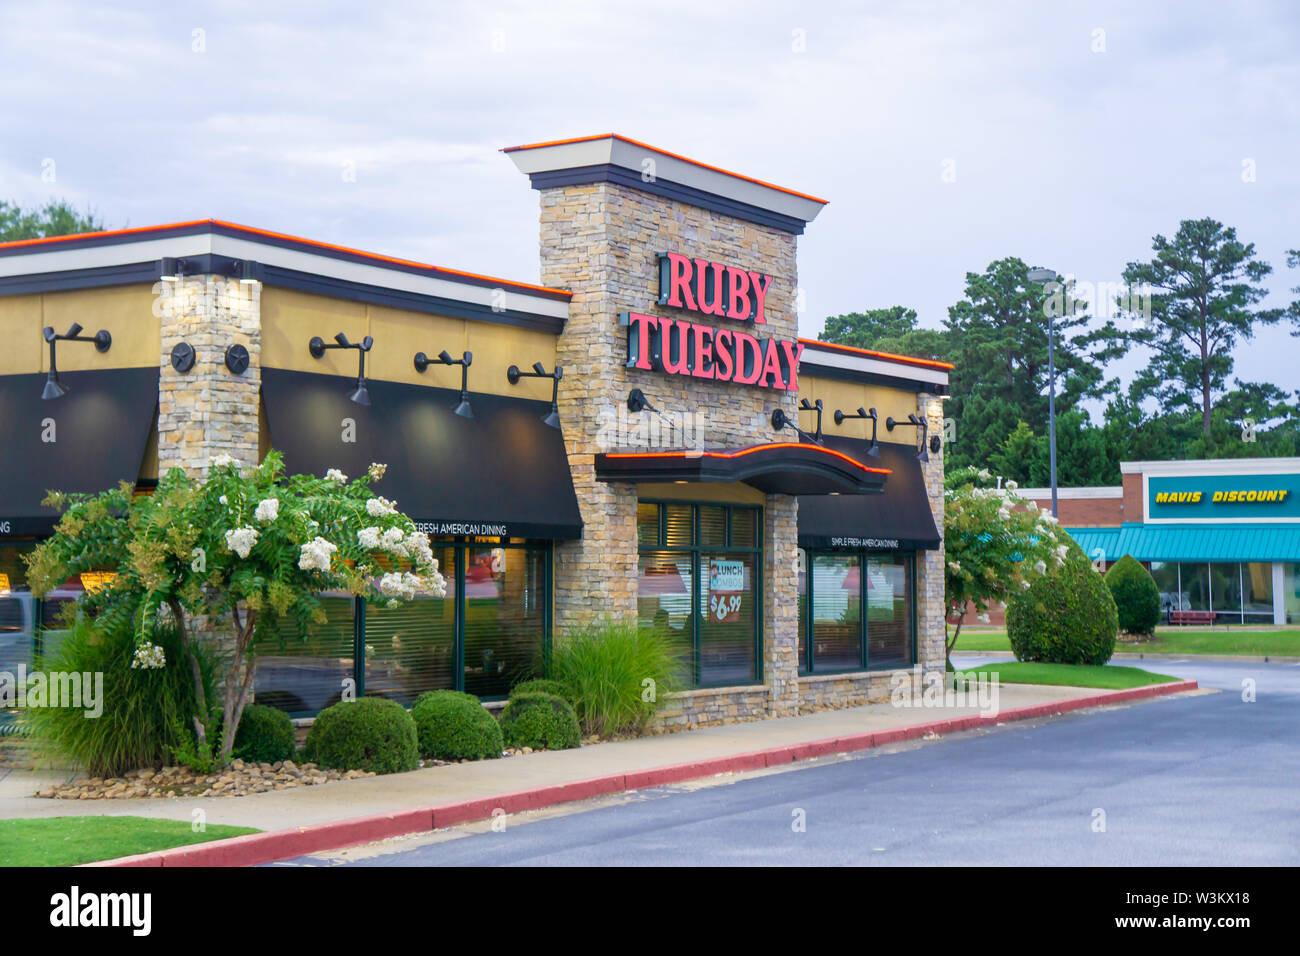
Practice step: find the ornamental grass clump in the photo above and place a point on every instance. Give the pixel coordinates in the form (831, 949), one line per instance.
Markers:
(143, 713)
(616, 673)
(244, 548)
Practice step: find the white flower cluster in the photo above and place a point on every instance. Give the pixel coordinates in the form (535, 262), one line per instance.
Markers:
(1060, 551)
(315, 554)
(955, 567)
(222, 460)
(414, 545)
(376, 471)
(335, 475)
(268, 509)
(378, 507)
(241, 540)
(400, 585)
(149, 657)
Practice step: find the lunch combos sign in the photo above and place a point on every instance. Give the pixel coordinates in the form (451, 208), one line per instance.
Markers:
(680, 346)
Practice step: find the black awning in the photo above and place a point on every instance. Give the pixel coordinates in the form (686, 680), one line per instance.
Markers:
(502, 473)
(787, 468)
(899, 518)
(89, 440)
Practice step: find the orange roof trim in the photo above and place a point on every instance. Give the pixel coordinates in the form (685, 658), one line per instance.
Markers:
(664, 152)
(281, 235)
(871, 353)
(749, 451)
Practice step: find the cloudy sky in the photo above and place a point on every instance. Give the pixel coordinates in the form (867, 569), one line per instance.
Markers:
(945, 135)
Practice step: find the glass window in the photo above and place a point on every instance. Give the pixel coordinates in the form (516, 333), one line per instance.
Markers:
(647, 525)
(411, 648)
(1166, 575)
(13, 570)
(305, 675)
(704, 593)
(664, 600)
(505, 618)
(837, 612)
(1225, 588)
(1195, 583)
(728, 619)
(889, 611)
(1257, 591)
(1291, 591)
(744, 527)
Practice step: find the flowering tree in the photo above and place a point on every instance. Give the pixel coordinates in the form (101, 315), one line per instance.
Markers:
(995, 543)
(249, 547)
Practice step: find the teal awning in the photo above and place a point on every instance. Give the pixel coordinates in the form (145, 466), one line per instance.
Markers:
(1198, 542)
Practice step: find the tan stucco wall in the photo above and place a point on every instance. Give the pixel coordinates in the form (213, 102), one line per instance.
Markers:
(127, 312)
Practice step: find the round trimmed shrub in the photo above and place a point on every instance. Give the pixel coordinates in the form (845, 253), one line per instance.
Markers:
(265, 735)
(538, 685)
(1066, 616)
(540, 721)
(370, 733)
(1137, 597)
(454, 726)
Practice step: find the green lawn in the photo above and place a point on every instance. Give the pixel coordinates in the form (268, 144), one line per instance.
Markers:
(67, 841)
(1249, 642)
(1106, 677)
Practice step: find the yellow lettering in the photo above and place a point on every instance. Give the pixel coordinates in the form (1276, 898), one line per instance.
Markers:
(1218, 496)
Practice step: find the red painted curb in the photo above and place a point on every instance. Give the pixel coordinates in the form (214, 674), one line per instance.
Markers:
(282, 844)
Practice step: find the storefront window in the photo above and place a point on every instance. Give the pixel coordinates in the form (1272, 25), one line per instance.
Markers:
(411, 648)
(505, 618)
(889, 611)
(1166, 576)
(1225, 588)
(305, 675)
(843, 639)
(837, 612)
(1291, 591)
(697, 583)
(489, 632)
(1257, 591)
(803, 611)
(1195, 584)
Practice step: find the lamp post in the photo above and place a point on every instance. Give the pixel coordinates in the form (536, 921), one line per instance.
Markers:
(1042, 277)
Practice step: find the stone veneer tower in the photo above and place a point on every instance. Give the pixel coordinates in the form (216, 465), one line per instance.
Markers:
(609, 206)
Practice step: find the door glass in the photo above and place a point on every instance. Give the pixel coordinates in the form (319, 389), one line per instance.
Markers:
(837, 612)
(505, 622)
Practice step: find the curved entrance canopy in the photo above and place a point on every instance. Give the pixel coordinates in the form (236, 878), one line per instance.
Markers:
(784, 468)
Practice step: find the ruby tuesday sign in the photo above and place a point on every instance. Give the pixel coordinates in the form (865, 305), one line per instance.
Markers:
(682, 347)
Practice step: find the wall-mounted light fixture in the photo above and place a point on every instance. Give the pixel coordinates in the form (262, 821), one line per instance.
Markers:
(513, 374)
(422, 362)
(915, 422)
(637, 402)
(781, 420)
(53, 387)
(807, 406)
(840, 417)
(318, 349)
(246, 271)
(171, 269)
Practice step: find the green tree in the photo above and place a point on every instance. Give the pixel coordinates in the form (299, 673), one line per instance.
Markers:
(1203, 284)
(243, 548)
(864, 330)
(55, 218)
(995, 544)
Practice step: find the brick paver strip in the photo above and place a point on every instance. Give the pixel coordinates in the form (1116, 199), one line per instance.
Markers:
(282, 844)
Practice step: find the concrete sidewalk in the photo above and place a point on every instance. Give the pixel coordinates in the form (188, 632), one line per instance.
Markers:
(479, 780)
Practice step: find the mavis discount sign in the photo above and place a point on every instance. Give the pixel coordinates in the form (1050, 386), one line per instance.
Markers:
(726, 587)
(682, 347)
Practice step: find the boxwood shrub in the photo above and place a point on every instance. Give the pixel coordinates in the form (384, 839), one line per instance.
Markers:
(1137, 597)
(454, 726)
(540, 721)
(366, 734)
(265, 735)
(543, 685)
(1066, 616)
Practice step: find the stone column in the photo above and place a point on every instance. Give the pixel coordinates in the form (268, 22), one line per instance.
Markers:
(930, 605)
(781, 604)
(209, 410)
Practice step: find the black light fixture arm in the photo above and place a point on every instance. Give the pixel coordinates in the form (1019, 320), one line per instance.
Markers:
(807, 406)
(422, 363)
(915, 421)
(514, 374)
(102, 342)
(841, 417)
(318, 347)
(637, 402)
(781, 420)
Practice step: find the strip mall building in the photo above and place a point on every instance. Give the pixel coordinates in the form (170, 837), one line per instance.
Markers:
(667, 473)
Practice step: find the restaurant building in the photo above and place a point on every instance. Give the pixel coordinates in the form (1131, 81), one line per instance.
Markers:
(642, 434)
